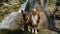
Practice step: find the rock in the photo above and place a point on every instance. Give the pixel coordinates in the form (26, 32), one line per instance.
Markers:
(7, 5)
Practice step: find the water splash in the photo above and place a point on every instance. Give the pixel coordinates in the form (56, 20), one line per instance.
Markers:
(6, 22)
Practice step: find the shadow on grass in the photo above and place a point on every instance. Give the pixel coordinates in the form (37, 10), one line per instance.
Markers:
(3, 31)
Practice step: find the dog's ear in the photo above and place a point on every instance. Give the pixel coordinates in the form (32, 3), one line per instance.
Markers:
(22, 11)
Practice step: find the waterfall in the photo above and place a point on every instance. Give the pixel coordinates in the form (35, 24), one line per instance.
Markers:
(32, 3)
(42, 3)
(23, 6)
(6, 22)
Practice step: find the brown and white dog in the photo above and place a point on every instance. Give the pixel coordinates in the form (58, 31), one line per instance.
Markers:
(35, 17)
(32, 20)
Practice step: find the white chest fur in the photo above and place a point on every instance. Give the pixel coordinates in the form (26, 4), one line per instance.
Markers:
(34, 19)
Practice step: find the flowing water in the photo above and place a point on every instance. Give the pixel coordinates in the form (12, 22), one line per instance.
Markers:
(6, 22)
